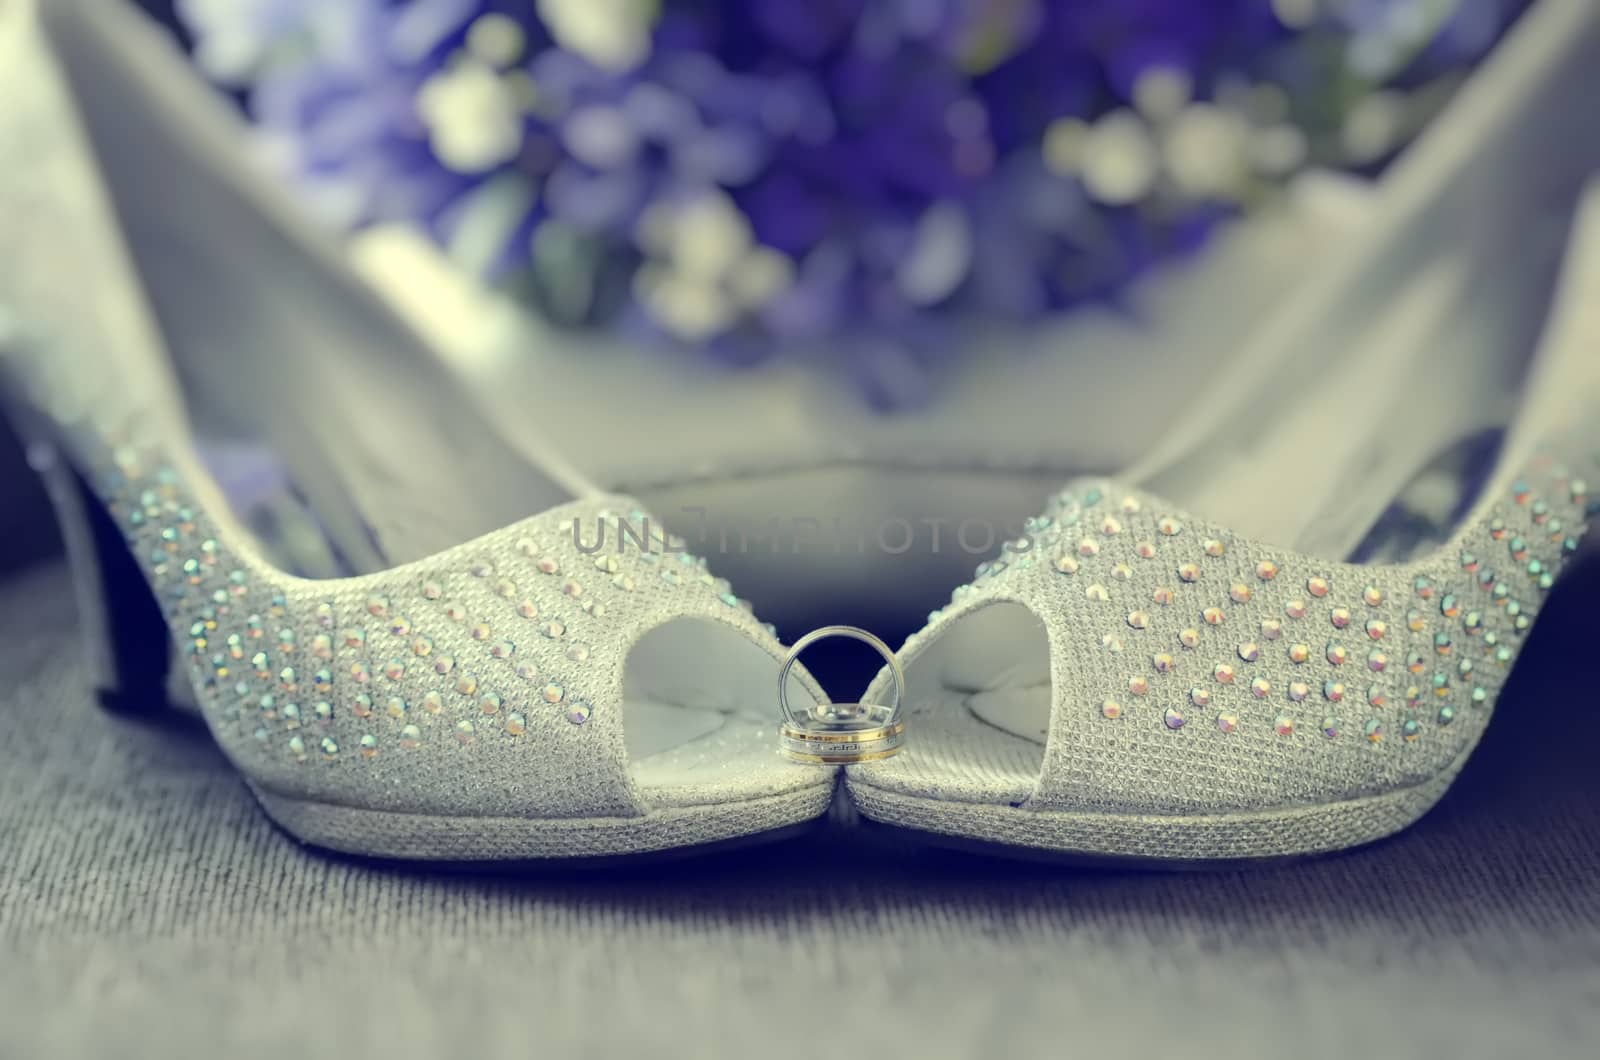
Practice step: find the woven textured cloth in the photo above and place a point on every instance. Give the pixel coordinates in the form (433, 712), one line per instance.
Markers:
(148, 908)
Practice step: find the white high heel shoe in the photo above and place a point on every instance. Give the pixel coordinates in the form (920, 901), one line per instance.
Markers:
(396, 655)
(1286, 632)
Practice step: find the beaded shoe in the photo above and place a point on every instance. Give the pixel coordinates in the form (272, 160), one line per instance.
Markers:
(252, 459)
(1136, 679)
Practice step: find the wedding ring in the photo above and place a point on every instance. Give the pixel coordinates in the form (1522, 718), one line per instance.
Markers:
(841, 733)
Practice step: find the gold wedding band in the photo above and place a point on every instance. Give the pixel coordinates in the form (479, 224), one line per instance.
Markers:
(841, 733)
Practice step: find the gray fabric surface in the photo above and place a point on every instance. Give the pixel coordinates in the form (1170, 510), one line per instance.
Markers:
(147, 908)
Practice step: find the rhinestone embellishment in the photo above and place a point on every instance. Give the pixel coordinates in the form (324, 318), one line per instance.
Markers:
(347, 681)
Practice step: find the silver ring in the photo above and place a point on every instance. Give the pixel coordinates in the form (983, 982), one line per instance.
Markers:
(896, 674)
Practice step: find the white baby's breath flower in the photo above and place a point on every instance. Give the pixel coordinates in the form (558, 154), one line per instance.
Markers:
(1120, 161)
(612, 34)
(710, 236)
(472, 116)
(689, 308)
(1205, 151)
(705, 267)
(1162, 91)
(496, 39)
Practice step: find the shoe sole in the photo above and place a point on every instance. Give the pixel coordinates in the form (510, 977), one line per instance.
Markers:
(1222, 840)
(388, 835)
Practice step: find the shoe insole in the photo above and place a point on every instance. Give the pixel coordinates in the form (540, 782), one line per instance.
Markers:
(367, 426)
(1326, 453)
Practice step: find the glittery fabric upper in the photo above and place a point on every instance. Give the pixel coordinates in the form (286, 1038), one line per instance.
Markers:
(484, 680)
(1195, 671)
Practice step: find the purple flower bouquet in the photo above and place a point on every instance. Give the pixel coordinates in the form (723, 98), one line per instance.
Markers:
(752, 177)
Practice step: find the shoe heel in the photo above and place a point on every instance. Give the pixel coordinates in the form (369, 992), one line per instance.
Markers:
(125, 633)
